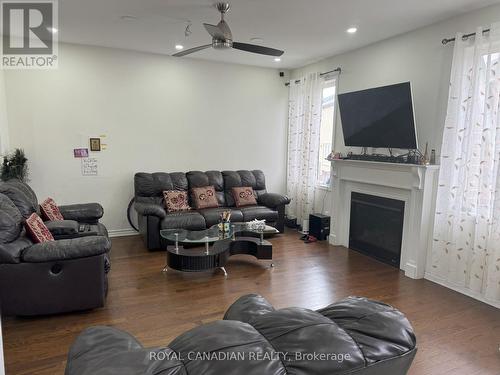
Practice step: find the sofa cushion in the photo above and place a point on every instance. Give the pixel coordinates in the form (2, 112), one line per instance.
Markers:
(19, 196)
(204, 197)
(50, 211)
(212, 215)
(244, 196)
(10, 220)
(186, 220)
(27, 190)
(37, 230)
(154, 184)
(259, 213)
(176, 200)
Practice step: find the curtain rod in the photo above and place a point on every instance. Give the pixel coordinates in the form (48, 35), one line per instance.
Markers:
(336, 70)
(445, 41)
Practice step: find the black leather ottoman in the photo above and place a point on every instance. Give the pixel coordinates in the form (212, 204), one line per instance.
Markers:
(352, 336)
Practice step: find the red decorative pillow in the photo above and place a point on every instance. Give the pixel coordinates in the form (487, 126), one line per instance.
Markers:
(204, 197)
(176, 200)
(50, 211)
(244, 196)
(37, 230)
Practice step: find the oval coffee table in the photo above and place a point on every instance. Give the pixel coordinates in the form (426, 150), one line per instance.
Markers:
(215, 256)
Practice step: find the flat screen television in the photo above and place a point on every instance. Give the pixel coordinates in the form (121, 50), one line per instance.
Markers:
(380, 117)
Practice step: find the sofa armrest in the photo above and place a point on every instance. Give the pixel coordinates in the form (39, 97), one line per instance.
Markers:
(62, 227)
(146, 209)
(73, 248)
(273, 200)
(84, 212)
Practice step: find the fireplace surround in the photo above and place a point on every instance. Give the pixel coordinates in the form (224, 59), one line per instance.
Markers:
(414, 185)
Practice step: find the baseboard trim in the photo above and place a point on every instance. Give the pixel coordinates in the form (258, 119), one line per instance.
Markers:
(122, 232)
(461, 289)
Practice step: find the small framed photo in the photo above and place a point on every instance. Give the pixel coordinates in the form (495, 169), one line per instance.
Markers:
(95, 144)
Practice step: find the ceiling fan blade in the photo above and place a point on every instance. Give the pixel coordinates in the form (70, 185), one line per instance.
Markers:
(191, 50)
(257, 49)
(214, 31)
(224, 27)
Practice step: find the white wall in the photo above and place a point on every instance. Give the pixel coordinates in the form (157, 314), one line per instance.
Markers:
(4, 129)
(418, 57)
(159, 113)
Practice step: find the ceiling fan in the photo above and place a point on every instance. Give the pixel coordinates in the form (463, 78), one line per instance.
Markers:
(222, 38)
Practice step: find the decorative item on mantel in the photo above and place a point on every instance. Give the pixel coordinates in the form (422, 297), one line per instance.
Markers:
(433, 157)
(334, 156)
(425, 157)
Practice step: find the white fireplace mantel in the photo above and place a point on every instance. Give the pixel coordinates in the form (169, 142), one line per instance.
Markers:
(415, 185)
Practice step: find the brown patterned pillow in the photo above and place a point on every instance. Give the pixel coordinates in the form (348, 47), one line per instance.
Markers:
(37, 230)
(204, 197)
(244, 196)
(176, 200)
(50, 211)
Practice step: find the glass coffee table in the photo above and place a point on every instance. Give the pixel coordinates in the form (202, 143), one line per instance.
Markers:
(240, 238)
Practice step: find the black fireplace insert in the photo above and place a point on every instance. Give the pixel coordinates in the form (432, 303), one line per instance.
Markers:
(376, 227)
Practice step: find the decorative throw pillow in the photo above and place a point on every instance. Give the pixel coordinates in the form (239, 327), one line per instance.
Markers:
(176, 200)
(50, 211)
(204, 197)
(37, 230)
(244, 196)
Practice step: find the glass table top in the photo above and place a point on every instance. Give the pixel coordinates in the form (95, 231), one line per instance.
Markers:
(214, 233)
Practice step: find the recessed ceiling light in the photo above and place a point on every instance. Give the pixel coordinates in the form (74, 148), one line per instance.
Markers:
(53, 30)
(178, 47)
(128, 17)
(257, 40)
(352, 30)
(277, 59)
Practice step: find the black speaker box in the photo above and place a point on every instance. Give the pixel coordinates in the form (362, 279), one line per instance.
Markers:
(319, 226)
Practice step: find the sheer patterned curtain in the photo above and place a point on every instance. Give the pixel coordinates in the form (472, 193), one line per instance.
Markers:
(4, 130)
(466, 247)
(304, 117)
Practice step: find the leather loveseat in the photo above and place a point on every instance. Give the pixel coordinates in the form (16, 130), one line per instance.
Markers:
(354, 336)
(153, 217)
(67, 274)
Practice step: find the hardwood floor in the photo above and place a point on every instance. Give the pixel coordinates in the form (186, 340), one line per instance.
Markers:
(456, 334)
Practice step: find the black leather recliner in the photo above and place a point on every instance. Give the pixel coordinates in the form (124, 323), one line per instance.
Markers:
(65, 275)
(153, 217)
(353, 336)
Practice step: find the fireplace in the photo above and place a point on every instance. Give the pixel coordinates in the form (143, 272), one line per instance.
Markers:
(376, 227)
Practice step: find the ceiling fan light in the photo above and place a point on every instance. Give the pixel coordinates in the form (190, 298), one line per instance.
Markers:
(352, 30)
(277, 59)
(179, 47)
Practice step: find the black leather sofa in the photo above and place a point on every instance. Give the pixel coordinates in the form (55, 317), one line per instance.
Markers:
(153, 217)
(64, 275)
(354, 336)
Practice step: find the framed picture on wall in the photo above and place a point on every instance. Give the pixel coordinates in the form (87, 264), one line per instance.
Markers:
(95, 144)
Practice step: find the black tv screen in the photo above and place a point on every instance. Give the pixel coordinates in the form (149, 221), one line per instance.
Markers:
(379, 117)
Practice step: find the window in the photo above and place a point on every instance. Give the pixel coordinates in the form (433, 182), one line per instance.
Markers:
(326, 132)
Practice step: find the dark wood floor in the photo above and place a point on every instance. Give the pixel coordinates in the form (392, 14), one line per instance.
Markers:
(456, 334)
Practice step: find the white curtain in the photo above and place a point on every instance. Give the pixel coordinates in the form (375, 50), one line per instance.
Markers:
(4, 129)
(304, 118)
(466, 247)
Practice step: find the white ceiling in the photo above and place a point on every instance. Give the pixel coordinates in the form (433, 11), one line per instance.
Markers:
(307, 30)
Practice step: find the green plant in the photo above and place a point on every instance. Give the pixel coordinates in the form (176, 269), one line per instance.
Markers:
(15, 165)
